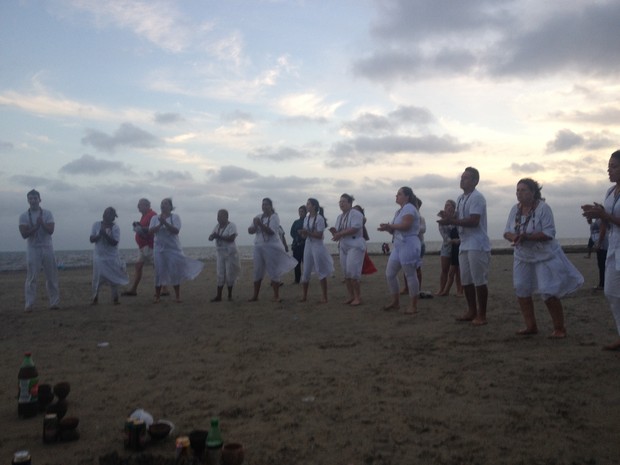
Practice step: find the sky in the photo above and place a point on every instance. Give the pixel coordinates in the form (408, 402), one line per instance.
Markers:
(218, 104)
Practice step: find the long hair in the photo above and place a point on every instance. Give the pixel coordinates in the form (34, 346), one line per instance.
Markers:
(533, 186)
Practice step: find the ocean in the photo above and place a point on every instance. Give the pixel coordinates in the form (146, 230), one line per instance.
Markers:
(66, 259)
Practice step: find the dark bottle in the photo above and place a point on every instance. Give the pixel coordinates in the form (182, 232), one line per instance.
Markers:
(27, 388)
(214, 443)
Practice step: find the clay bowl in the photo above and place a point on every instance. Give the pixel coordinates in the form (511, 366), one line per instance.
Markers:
(59, 408)
(158, 431)
(232, 454)
(198, 440)
(68, 423)
(46, 396)
(62, 390)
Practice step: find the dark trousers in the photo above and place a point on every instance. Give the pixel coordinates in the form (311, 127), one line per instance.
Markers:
(298, 254)
(601, 257)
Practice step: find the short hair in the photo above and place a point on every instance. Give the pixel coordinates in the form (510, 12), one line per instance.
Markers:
(33, 192)
(112, 210)
(474, 172)
(146, 201)
(349, 198)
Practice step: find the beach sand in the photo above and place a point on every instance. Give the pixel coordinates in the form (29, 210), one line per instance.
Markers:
(308, 384)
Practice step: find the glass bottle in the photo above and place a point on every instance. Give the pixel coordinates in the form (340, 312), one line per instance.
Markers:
(27, 388)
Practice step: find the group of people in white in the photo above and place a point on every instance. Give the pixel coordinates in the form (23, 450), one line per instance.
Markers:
(540, 265)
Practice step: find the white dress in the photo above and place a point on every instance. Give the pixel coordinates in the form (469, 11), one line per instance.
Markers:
(317, 258)
(172, 267)
(540, 267)
(108, 268)
(269, 254)
(352, 247)
(228, 266)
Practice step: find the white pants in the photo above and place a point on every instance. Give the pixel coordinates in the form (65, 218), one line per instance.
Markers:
(474, 266)
(41, 257)
(612, 289)
(391, 275)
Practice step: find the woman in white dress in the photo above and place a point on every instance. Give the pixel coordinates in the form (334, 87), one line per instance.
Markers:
(316, 255)
(540, 266)
(228, 267)
(172, 267)
(107, 265)
(609, 213)
(349, 234)
(269, 254)
(405, 229)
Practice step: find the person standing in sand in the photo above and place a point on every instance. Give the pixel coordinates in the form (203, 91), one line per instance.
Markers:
(316, 256)
(449, 254)
(269, 254)
(144, 239)
(540, 265)
(475, 248)
(405, 229)
(609, 213)
(228, 267)
(299, 242)
(107, 264)
(349, 233)
(171, 266)
(37, 226)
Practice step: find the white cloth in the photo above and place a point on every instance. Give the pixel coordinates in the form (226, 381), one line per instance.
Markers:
(228, 266)
(446, 243)
(108, 268)
(473, 238)
(269, 254)
(407, 251)
(612, 267)
(541, 267)
(352, 247)
(172, 267)
(316, 256)
(40, 254)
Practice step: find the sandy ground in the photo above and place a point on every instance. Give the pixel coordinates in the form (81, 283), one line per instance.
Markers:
(301, 383)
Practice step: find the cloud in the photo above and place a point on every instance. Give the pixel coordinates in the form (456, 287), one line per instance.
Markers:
(6, 146)
(371, 123)
(41, 181)
(307, 104)
(526, 168)
(566, 140)
(369, 150)
(232, 174)
(90, 165)
(171, 176)
(127, 135)
(167, 118)
(424, 38)
(276, 153)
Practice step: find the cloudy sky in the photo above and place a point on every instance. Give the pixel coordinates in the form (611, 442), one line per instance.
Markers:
(221, 103)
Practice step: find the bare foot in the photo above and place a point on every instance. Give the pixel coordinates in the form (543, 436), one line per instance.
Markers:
(276, 299)
(178, 300)
(216, 299)
(557, 334)
(466, 317)
(612, 346)
(156, 300)
(527, 332)
(387, 308)
(348, 301)
(355, 303)
(253, 299)
(478, 322)
(322, 301)
(411, 311)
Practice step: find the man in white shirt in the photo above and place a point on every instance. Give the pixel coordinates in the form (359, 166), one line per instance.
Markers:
(475, 249)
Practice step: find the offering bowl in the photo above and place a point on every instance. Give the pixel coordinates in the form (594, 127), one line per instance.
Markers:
(68, 423)
(158, 431)
(232, 454)
(198, 441)
(62, 390)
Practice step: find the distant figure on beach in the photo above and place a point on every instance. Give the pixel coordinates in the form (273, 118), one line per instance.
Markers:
(385, 248)
(593, 237)
(405, 229)
(227, 261)
(600, 245)
(36, 225)
(349, 233)
(269, 254)
(144, 239)
(299, 242)
(609, 213)
(107, 265)
(540, 265)
(368, 266)
(172, 267)
(449, 254)
(316, 256)
(475, 248)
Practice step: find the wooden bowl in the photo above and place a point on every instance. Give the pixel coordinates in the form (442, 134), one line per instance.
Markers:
(68, 423)
(62, 390)
(158, 431)
(232, 454)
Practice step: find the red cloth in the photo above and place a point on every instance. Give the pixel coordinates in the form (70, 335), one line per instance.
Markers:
(368, 267)
(145, 221)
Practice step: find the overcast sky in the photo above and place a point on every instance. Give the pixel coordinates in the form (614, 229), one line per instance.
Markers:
(221, 103)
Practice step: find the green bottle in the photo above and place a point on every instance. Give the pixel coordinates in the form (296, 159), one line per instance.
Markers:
(214, 443)
(27, 388)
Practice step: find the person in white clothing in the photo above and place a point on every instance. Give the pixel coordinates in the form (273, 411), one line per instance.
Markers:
(269, 254)
(107, 264)
(228, 267)
(37, 226)
(316, 256)
(540, 265)
(405, 229)
(172, 267)
(475, 248)
(609, 213)
(349, 233)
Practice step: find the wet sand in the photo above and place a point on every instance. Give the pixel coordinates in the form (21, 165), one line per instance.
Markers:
(308, 384)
